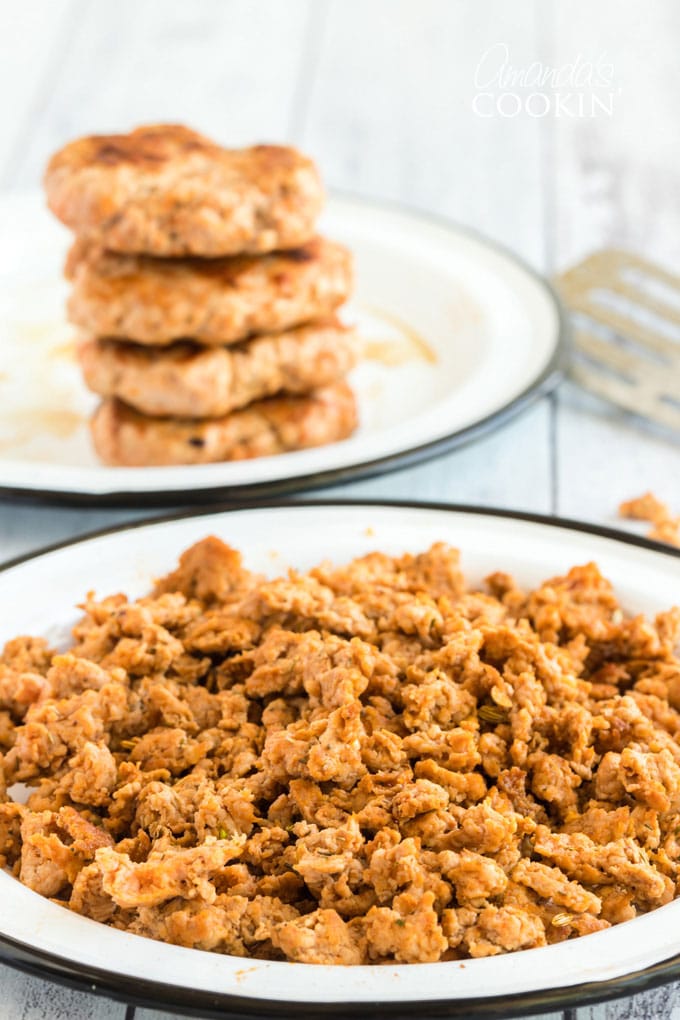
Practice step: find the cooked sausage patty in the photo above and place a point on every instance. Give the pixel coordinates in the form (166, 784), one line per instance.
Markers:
(169, 191)
(205, 382)
(125, 438)
(216, 301)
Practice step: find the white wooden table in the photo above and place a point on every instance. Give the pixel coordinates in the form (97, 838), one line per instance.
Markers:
(381, 92)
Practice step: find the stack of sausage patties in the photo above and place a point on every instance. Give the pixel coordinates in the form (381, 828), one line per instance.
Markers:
(206, 301)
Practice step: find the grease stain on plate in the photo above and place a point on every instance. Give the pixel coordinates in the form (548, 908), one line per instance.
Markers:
(21, 427)
(243, 973)
(407, 345)
(66, 350)
(45, 405)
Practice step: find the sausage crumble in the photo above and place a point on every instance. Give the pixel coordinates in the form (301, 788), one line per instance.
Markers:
(355, 765)
(665, 526)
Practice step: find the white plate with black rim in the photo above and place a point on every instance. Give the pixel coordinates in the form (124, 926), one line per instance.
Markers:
(39, 594)
(459, 335)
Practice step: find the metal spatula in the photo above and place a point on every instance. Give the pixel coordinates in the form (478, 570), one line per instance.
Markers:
(626, 318)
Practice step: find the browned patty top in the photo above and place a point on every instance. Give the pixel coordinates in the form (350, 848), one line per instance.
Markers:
(150, 147)
(167, 190)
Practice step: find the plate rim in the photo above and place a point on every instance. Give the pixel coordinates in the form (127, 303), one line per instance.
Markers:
(149, 993)
(540, 385)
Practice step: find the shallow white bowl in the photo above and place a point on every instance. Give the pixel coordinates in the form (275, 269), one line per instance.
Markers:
(38, 596)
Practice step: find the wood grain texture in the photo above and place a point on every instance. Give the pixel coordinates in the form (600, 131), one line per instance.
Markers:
(33, 40)
(26, 528)
(227, 67)
(661, 1004)
(489, 472)
(380, 125)
(616, 185)
(28, 998)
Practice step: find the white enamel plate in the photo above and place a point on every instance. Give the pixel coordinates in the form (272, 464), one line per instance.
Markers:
(458, 336)
(38, 597)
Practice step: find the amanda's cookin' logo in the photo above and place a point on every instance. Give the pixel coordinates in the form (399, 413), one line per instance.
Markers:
(577, 88)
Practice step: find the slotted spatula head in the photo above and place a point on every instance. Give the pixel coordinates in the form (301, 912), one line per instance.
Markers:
(626, 336)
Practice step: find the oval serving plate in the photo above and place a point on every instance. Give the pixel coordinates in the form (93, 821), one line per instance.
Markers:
(38, 595)
(459, 333)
